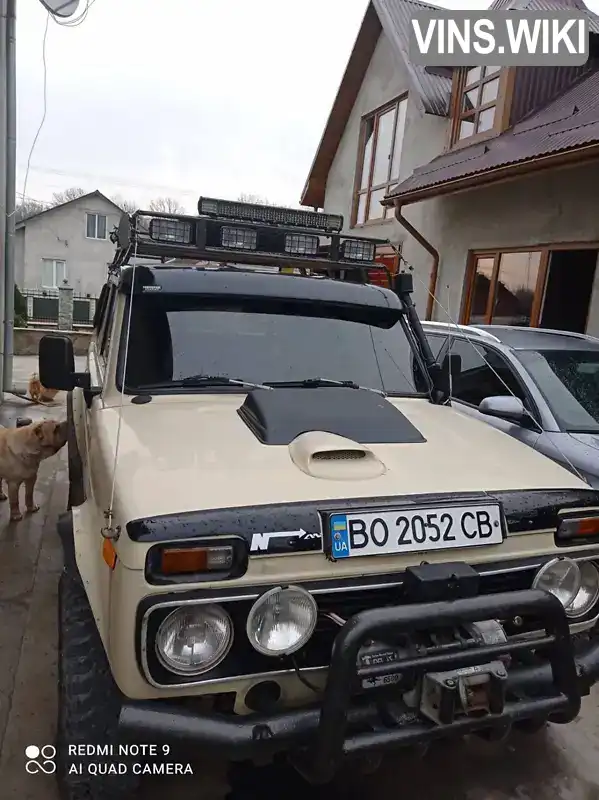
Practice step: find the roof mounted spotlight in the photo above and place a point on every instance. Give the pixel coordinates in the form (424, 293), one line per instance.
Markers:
(270, 215)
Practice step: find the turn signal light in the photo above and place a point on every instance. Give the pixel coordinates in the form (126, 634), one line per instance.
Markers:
(109, 553)
(186, 560)
(573, 528)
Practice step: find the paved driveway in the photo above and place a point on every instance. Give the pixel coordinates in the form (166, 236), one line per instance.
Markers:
(561, 764)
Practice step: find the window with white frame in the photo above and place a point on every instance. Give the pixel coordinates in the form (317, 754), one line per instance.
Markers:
(95, 226)
(54, 273)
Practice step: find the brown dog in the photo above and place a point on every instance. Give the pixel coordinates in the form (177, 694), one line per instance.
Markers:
(38, 392)
(21, 452)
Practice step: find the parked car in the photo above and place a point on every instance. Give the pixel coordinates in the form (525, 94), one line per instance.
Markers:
(540, 386)
(274, 545)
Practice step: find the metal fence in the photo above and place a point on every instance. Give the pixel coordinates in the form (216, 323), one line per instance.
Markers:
(42, 308)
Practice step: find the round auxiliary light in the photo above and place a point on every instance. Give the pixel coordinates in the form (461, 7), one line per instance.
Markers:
(281, 621)
(588, 594)
(194, 639)
(560, 577)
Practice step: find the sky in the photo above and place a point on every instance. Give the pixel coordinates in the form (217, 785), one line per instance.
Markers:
(149, 98)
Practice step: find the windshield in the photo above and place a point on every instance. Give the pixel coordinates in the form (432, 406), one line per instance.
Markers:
(173, 338)
(569, 381)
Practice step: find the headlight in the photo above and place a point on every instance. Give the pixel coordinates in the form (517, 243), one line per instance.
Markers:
(194, 639)
(588, 592)
(282, 621)
(560, 577)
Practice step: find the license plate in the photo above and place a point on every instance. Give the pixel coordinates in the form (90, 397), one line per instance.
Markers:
(417, 530)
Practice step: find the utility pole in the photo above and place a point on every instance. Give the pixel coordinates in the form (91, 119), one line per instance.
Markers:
(10, 193)
(8, 169)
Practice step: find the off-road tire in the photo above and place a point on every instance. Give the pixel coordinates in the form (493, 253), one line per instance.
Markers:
(89, 701)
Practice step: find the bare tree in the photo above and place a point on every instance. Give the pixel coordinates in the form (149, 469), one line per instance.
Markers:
(27, 208)
(68, 194)
(129, 206)
(246, 197)
(166, 205)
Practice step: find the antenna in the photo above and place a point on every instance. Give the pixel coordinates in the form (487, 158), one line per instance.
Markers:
(61, 8)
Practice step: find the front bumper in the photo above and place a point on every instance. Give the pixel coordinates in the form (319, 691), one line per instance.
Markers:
(319, 737)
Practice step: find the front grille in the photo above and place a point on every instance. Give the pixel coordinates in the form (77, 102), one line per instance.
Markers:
(244, 660)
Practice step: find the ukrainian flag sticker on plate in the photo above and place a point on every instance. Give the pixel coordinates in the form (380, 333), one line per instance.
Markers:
(339, 536)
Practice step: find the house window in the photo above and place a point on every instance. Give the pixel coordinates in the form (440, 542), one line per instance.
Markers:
(378, 163)
(503, 288)
(95, 226)
(54, 273)
(479, 100)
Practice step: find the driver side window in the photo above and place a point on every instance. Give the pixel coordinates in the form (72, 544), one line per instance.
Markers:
(482, 372)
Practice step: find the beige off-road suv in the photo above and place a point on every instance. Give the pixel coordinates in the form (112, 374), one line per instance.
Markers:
(282, 540)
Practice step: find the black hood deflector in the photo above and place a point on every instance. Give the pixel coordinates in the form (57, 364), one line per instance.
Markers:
(277, 417)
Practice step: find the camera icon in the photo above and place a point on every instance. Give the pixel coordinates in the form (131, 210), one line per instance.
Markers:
(40, 759)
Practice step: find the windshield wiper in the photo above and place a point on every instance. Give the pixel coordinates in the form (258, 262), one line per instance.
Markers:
(314, 383)
(203, 380)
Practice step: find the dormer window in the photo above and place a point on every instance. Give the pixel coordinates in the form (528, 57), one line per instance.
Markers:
(479, 102)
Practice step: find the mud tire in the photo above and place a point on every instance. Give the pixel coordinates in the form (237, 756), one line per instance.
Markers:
(89, 701)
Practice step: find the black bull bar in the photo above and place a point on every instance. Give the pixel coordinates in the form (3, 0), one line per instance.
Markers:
(319, 736)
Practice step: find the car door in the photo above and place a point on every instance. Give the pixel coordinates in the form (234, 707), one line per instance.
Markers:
(485, 372)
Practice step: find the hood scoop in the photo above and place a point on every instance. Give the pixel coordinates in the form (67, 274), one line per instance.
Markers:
(280, 416)
(325, 455)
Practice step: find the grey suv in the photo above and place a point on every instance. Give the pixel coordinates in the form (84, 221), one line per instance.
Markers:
(540, 386)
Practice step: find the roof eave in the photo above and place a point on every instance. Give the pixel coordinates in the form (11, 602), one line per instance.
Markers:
(503, 173)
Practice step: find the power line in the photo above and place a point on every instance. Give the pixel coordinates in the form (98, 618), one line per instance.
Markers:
(129, 184)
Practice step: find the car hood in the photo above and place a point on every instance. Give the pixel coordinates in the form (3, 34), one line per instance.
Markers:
(588, 439)
(180, 454)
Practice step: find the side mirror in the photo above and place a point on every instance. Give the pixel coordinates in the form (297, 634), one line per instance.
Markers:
(57, 364)
(451, 366)
(507, 407)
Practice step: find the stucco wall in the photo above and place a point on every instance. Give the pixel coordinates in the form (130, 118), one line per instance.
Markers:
(61, 234)
(559, 206)
(424, 138)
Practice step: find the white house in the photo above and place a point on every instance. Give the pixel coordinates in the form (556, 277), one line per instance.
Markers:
(487, 179)
(67, 242)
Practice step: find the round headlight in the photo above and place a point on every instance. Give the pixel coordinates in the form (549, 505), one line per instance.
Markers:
(194, 639)
(588, 592)
(560, 577)
(282, 621)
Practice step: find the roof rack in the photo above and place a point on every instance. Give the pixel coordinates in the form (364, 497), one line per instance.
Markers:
(574, 334)
(245, 233)
(466, 328)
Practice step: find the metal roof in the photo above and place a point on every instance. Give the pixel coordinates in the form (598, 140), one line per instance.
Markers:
(548, 5)
(570, 122)
(434, 88)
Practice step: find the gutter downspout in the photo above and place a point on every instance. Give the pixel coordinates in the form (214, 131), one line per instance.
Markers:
(432, 288)
(11, 158)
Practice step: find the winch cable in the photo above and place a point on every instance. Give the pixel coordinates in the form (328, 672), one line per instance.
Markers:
(473, 344)
(109, 531)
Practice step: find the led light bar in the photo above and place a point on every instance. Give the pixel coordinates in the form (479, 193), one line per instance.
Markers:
(239, 238)
(301, 244)
(358, 250)
(175, 231)
(270, 215)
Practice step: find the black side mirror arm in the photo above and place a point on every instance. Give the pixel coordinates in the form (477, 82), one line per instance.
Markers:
(90, 393)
